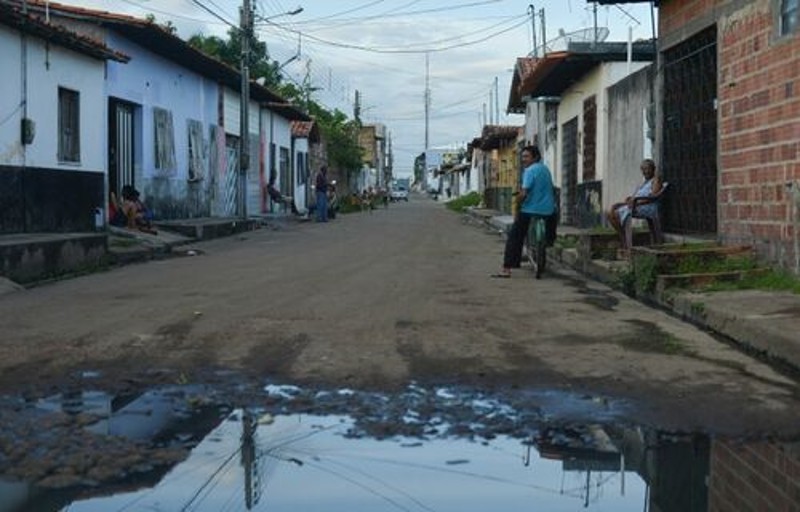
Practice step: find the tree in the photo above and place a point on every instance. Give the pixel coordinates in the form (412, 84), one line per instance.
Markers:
(229, 51)
(340, 132)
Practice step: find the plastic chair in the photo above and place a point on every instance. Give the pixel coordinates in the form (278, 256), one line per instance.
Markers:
(653, 222)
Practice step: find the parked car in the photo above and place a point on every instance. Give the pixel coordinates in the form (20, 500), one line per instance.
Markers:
(399, 194)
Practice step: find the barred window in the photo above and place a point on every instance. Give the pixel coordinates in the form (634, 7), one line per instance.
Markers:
(789, 10)
(69, 140)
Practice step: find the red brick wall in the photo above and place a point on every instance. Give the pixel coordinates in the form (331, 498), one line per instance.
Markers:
(754, 477)
(759, 120)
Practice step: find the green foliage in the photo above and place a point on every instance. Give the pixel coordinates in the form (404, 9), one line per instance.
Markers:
(460, 204)
(566, 242)
(702, 264)
(349, 207)
(644, 270)
(340, 133)
(229, 51)
(776, 280)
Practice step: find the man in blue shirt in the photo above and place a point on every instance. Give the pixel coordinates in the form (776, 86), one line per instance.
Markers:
(535, 198)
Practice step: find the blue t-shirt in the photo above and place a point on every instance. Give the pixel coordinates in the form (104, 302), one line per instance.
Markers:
(536, 179)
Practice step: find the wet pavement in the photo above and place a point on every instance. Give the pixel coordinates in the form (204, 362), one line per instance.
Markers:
(186, 447)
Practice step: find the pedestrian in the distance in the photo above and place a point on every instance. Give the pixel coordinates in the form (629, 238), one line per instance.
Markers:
(321, 187)
(535, 198)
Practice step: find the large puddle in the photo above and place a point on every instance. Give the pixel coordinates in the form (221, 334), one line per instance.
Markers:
(178, 449)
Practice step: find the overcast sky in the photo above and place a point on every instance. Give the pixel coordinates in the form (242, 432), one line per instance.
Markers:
(379, 47)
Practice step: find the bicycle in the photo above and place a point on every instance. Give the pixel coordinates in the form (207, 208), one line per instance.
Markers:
(536, 244)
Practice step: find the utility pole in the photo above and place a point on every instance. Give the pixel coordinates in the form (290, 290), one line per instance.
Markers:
(496, 102)
(544, 32)
(532, 12)
(246, 28)
(427, 98)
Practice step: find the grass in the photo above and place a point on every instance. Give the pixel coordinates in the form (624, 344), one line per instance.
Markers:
(460, 204)
(773, 280)
(697, 264)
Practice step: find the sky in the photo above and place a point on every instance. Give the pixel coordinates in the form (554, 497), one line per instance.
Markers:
(380, 47)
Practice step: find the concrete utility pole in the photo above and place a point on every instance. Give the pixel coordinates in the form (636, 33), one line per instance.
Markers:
(496, 102)
(427, 98)
(532, 12)
(246, 22)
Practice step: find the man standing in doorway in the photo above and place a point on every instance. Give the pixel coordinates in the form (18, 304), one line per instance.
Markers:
(321, 187)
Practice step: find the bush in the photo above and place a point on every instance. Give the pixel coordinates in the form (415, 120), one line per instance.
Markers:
(459, 204)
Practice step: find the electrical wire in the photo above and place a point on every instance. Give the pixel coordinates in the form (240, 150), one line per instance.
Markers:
(147, 8)
(401, 50)
(211, 12)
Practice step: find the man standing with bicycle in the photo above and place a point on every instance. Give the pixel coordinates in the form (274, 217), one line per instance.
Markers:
(535, 199)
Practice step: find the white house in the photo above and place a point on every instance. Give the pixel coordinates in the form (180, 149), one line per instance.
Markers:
(565, 97)
(174, 121)
(52, 128)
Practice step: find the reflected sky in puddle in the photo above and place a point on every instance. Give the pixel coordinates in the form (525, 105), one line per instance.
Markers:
(182, 448)
(308, 463)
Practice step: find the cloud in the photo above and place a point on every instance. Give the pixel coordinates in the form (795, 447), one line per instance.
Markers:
(392, 85)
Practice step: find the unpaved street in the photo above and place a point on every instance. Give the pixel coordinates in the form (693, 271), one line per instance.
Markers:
(376, 301)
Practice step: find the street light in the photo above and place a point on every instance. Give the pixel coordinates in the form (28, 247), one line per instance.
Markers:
(246, 22)
(293, 12)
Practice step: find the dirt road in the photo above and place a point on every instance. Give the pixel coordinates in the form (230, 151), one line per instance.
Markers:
(376, 301)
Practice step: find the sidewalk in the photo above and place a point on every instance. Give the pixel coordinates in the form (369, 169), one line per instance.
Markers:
(766, 322)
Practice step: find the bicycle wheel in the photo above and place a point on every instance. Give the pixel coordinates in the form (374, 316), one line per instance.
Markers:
(540, 248)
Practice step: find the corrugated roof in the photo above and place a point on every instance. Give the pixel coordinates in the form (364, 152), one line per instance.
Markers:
(13, 16)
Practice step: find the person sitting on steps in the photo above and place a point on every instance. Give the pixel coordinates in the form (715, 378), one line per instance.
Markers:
(138, 215)
(622, 213)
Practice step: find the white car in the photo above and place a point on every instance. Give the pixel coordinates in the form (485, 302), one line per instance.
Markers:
(398, 194)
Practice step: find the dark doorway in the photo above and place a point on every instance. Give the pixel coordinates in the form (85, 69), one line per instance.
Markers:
(689, 160)
(120, 145)
(569, 171)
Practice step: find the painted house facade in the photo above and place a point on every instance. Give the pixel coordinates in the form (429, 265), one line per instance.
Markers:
(174, 122)
(565, 96)
(52, 128)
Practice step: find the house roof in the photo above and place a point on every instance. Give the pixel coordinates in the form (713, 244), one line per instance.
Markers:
(305, 130)
(523, 67)
(552, 74)
(161, 41)
(13, 16)
(492, 135)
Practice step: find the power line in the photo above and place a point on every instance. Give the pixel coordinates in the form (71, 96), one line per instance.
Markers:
(211, 12)
(401, 50)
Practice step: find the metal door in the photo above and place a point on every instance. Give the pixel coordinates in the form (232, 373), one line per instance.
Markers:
(689, 160)
(569, 171)
(120, 146)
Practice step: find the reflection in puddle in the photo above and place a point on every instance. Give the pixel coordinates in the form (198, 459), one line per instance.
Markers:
(309, 463)
(421, 450)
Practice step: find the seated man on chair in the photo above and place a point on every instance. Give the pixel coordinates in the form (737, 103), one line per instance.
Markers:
(278, 198)
(643, 204)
